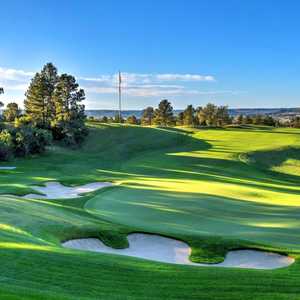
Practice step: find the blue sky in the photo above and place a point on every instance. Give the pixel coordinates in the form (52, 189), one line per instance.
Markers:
(232, 52)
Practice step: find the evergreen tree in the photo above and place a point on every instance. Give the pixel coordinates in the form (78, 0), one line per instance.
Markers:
(11, 112)
(39, 103)
(68, 123)
(132, 120)
(239, 119)
(257, 120)
(188, 115)
(269, 121)
(179, 119)
(163, 115)
(208, 115)
(1, 92)
(222, 117)
(147, 116)
(247, 120)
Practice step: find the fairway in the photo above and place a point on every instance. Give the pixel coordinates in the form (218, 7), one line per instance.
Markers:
(214, 189)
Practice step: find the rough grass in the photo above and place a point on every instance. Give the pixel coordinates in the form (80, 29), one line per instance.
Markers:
(193, 187)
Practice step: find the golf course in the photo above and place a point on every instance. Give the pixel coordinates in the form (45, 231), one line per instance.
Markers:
(215, 189)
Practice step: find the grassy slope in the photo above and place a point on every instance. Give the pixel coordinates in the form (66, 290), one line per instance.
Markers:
(179, 185)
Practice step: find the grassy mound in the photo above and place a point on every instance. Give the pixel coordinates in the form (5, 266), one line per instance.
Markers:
(192, 186)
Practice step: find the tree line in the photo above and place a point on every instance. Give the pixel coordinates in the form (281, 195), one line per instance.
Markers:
(209, 115)
(53, 112)
(163, 115)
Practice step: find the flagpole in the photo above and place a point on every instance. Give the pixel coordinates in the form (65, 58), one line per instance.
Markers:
(120, 97)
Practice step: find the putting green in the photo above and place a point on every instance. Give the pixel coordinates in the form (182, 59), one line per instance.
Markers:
(215, 189)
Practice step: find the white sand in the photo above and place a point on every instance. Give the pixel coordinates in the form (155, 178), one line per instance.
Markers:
(55, 190)
(7, 168)
(158, 248)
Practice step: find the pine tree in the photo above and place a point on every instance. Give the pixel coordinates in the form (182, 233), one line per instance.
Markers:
(39, 103)
(163, 115)
(11, 112)
(223, 117)
(147, 116)
(1, 92)
(132, 120)
(68, 122)
(188, 115)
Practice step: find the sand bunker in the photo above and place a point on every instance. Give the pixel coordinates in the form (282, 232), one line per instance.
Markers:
(168, 250)
(7, 168)
(55, 190)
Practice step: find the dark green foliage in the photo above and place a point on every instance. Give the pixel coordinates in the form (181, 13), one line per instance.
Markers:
(147, 116)
(114, 239)
(29, 140)
(39, 104)
(163, 115)
(11, 112)
(104, 119)
(296, 122)
(1, 92)
(54, 102)
(132, 120)
(179, 119)
(117, 119)
(189, 116)
(212, 115)
(23, 141)
(5, 145)
(68, 124)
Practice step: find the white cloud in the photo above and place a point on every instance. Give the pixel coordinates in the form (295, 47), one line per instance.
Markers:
(134, 84)
(12, 74)
(184, 77)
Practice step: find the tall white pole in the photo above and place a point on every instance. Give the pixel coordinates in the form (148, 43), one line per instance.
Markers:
(120, 97)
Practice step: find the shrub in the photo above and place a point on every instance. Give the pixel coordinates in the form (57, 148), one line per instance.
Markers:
(30, 140)
(6, 150)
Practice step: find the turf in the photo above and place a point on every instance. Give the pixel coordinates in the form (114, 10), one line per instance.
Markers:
(217, 189)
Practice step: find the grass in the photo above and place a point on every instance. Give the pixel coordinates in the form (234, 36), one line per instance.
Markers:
(217, 189)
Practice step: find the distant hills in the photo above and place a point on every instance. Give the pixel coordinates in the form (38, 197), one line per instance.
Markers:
(232, 111)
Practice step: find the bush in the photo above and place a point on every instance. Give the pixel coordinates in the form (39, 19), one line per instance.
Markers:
(69, 133)
(29, 140)
(6, 150)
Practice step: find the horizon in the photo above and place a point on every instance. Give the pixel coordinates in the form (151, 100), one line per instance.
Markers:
(243, 55)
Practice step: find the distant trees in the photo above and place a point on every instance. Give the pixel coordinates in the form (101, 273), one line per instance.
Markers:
(132, 120)
(147, 116)
(1, 92)
(212, 115)
(189, 116)
(163, 115)
(255, 119)
(11, 112)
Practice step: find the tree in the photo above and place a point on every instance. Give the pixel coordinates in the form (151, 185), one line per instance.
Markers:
(179, 119)
(117, 119)
(1, 92)
(239, 119)
(189, 115)
(269, 121)
(208, 115)
(247, 120)
(11, 112)
(132, 120)
(257, 120)
(68, 122)
(104, 119)
(147, 116)
(222, 116)
(163, 115)
(39, 96)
